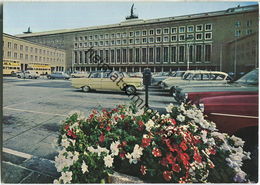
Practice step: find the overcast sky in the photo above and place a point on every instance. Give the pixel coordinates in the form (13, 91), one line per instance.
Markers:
(44, 16)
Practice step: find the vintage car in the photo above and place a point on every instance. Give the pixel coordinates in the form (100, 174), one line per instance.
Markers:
(247, 84)
(236, 115)
(58, 75)
(157, 79)
(78, 74)
(28, 74)
(108, 81)
(196, 78)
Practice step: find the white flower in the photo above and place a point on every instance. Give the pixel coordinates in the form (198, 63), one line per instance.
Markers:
(138, 152)
(169, 107)
(56, 181)
(84, 167)
(204, 136)
(139, 113)
(65, 143)
(149, 125)
(240, 176)
(114, 148)
(66, 177)
(108, 161)
(181, 118)
(237, 141)
(91, 149)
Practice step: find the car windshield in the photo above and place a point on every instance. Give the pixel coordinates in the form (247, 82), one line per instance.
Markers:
(249, 78)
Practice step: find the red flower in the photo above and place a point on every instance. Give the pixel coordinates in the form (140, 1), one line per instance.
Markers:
(168, 143)
(146, 142)
(167, 175)
(91, 116)
(66, 127)
(124, 143)
(164, 162)
(173, 121)
(197, 157)
(108, 128)
(183, 145)
(122, 116)
(212, 151)
(115, 110)
(176, 168)
(122, 155)
(140, 123)
(143, 169)
(116, 118)
(102, 138)
(95, 111)
(185, 158)
(101, 125)
(156, 152)
(71, 133)
(170, 158)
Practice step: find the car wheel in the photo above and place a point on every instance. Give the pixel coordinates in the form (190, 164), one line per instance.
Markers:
(18, 76)
(86, 89)
(30, 77)
(130, 90)
(73, 76)
(172, 92)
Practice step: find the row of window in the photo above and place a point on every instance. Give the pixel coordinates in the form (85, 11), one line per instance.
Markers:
(158, 31)
(238, 33)
(32, 57)
(35, 50)
(248, 23)
(173, 54)
(173, 38)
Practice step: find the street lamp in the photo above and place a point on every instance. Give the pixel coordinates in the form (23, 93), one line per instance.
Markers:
(189, 37)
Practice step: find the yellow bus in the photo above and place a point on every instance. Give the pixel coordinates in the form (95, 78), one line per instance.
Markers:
(10, 67)
(39, 68)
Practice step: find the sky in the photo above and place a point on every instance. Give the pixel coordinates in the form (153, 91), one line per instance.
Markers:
(46, 16)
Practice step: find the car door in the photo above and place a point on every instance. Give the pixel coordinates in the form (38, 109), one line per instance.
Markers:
(110, 83)
(94, 80)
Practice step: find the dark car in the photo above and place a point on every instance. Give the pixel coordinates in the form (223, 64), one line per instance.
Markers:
(248, 84)
(58, 75)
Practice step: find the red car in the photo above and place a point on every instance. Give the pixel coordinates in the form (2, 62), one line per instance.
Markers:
(231, 113)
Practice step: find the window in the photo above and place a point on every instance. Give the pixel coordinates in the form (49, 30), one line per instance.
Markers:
(190, 29)
(144, 33)
(21, 56)
(208, 27)
(75, 57)
(158, 31)
(158, 54)
(174, 30)
(207, 53)
(112, 42)
(90, 37)
(190, 54)
(151, 55)
(158, 39)
(124, 42)
(86, 37)
(95, 75)
(118, 42)
(26, 48)
(166, 30)
(85, 44)
(131, 55)
(174, 38)
(181, 37)
(21, 47)
(101, 43)
(80, 44)
(137, 55)
(112, 35)
(248, 32)
(249, 23)
(165, 39)
(118, 56)
(173, 53)
(181, 54)
(199, 28)
(198, 53)
(151, 32)
(198, 36)
(131, 41)
(112, 56)
(95, 44)
(237, 33)
(124, 34)
(144, 40)
(15, 55)
(106, 36)
(166, 54)
(96, 37)
(9, 45)
(237, 24)
(137, 41)
(151, 40)
(9, 54)
(131, 34)
(181, 29)
(107, 56)
(144, 57)
(190, 37)
(76, 38)
(80, 38)
(101, 36)
(137, 33)
(124, 56)
(90, 44)
(208, 35)
(118, 35)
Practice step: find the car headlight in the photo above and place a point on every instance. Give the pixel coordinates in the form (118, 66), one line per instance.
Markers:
(202, 107)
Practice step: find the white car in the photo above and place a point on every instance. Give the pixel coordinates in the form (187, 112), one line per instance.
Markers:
(28, 74)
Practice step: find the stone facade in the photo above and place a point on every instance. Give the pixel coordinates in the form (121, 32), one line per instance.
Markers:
(27, 52)
(164, 44)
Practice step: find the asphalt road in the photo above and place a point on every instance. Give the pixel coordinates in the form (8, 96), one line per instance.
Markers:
(33, 110)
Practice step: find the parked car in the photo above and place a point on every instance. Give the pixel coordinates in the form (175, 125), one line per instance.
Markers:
(27, 74)
(58, 75)
(109, 81)
(79, 75)
(157, 79)
(195, 78)
(237, 115)
(136, 75)
(248, 84)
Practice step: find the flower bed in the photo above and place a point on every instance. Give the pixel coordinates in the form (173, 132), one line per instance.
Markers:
(180, 146)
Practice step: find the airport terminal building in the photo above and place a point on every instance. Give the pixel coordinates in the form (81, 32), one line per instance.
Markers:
(211, 40)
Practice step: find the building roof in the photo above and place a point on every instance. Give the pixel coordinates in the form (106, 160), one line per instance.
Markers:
(130, 22)
(23, 40)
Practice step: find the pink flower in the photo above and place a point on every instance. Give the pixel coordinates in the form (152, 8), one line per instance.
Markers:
(167, 175)
(143, 169)
(156, 152)
(146, 142)
(102, 138)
